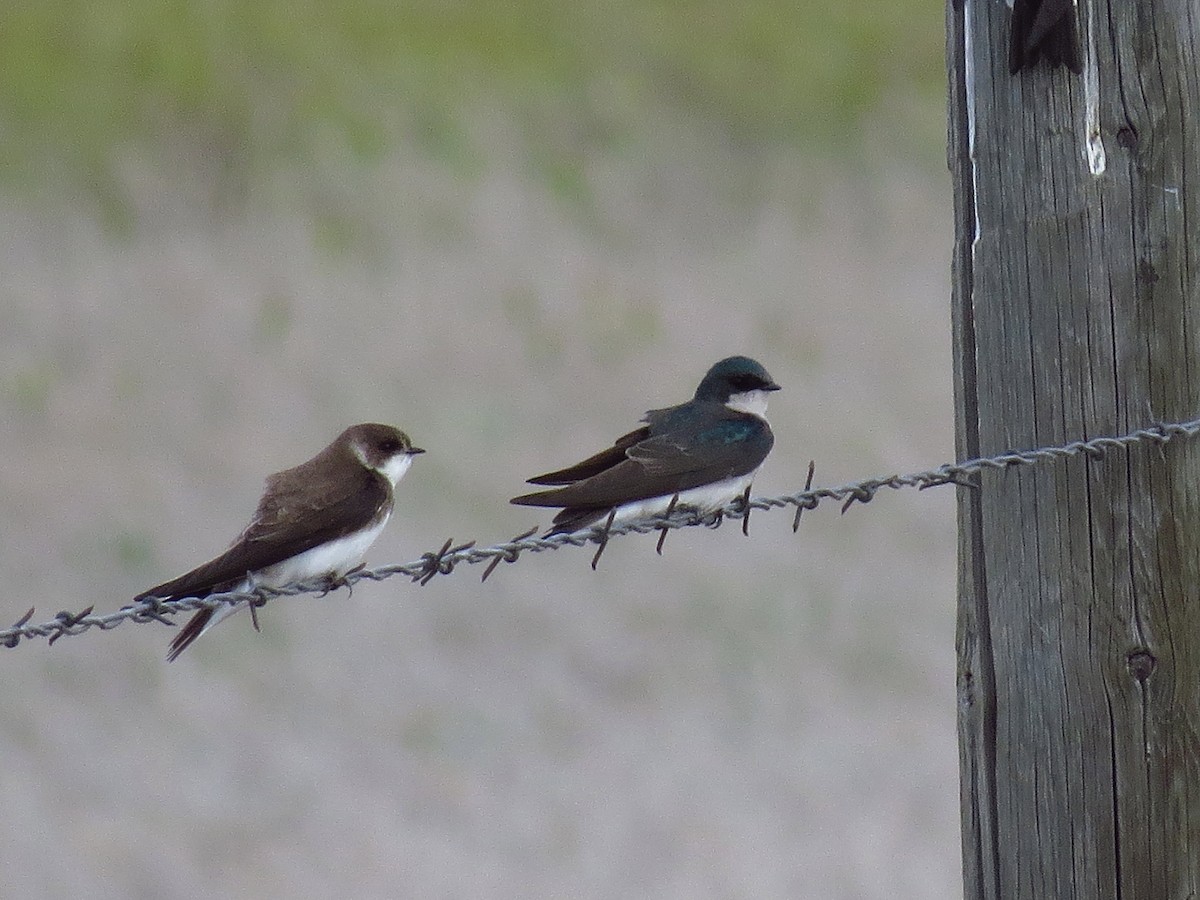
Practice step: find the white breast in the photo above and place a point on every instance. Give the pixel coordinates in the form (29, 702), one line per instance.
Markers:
(706, 499)
(335, 558)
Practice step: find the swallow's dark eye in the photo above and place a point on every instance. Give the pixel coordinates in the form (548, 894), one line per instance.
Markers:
(746, 382)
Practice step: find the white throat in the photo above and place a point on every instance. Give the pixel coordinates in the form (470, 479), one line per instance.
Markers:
(393, 470)
(753, 402)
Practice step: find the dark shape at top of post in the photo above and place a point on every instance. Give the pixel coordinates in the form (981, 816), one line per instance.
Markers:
(1044, 29)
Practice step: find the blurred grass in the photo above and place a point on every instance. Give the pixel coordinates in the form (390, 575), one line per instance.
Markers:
(243, 88)
(28, 389)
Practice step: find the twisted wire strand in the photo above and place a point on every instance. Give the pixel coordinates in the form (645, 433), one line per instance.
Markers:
(449, 557)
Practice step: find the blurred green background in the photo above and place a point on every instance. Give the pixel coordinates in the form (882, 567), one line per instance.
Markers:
(245, 92)
(228, 230)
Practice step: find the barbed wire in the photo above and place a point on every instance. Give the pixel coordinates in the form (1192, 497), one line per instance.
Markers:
(447, 559)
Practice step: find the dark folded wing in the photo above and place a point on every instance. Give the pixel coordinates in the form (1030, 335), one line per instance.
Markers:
(287, 522)
(685, 457)
(593, 465)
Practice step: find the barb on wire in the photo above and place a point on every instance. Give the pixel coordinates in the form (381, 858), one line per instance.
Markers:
(801, 507)
(662, 534)
(445, 560)
(510, 556)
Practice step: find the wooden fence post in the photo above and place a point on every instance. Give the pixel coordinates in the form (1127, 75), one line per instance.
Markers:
(1077, 314)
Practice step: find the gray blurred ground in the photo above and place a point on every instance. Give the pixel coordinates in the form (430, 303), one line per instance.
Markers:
(763, 718)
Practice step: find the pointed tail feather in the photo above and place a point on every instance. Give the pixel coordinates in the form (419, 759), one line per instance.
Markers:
(575, 518)
(192, 630)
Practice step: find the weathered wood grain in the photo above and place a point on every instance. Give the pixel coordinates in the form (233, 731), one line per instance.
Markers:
(1077, 313)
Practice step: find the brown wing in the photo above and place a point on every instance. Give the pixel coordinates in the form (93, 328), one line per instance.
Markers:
(289, 520)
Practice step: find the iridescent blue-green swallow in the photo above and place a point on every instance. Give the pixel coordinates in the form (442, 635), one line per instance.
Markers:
(314, 521)
(700, 455)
